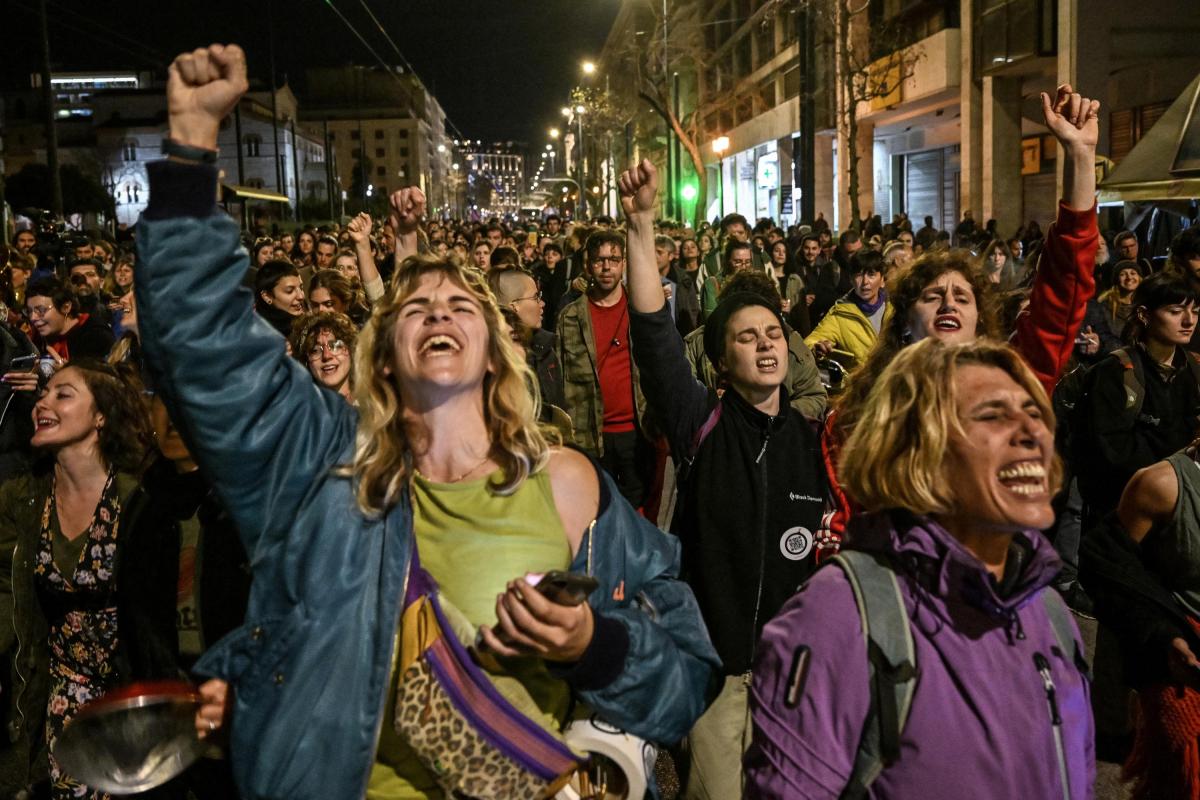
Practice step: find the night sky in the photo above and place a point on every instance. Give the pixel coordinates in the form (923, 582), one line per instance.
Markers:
(500, 69)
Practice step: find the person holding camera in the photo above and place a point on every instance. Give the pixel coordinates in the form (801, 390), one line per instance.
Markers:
(442, 456)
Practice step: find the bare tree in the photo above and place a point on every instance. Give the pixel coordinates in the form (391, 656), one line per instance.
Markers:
(672, 41)
(872, 62)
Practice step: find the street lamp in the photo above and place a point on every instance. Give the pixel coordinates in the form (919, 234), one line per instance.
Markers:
(579, 110)
(719, 146)
(554, 133)
(589, 67)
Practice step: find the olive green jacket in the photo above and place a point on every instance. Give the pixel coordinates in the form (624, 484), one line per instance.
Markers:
(24, 630)
(805, 391)
(581, 381)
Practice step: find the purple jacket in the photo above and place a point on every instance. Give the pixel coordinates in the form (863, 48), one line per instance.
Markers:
(980, 724)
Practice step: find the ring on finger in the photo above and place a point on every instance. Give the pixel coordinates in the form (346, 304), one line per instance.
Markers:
(212, 726)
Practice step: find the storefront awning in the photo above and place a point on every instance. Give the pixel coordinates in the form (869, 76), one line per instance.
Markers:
(230, 192)
(1158, 167)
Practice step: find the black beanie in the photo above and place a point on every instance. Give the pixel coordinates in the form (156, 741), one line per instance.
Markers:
(714, 326)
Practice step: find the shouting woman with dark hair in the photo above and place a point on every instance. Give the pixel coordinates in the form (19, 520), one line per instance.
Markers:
(948, 295)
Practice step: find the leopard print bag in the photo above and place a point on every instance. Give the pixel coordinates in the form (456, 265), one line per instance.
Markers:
(472, 740)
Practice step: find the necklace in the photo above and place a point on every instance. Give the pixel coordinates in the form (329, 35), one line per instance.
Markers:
(462, 475)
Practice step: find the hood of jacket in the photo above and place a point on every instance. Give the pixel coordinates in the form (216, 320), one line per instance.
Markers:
(943, 567)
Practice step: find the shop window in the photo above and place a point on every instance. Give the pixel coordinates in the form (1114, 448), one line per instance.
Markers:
(1127, 127)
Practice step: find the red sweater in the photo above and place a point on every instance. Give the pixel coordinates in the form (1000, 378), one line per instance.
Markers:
(1045, 334)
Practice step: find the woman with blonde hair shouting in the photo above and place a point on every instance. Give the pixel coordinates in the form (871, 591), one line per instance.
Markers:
(350, 672)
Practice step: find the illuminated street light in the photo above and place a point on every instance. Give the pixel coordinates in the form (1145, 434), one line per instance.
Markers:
(549, 148)
(720, 145)
(589, 68)
(454, 165)
(580, 109)
(554, 133)
(566, 112)
(441, 148)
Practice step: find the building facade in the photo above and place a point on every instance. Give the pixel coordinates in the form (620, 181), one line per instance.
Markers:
(385, 130)
(112, 125)
(957, 125)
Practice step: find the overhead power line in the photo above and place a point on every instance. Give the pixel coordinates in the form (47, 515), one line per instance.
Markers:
(403, 60)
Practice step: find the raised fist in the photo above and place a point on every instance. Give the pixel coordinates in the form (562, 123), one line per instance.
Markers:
(203, 86)
(639, 186)
(1072, 118)
(359, 228)
(408, 207)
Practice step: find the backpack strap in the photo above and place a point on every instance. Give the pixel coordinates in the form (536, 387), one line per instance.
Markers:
(701, 434)
(891, 658)
(1064, 630)
(1135, 390)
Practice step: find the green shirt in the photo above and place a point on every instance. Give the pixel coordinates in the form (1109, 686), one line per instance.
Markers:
(473, 542)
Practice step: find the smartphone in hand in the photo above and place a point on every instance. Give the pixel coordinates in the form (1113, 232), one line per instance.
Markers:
(564, 588)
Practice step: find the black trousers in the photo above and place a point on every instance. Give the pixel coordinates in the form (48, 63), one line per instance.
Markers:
(629, 459)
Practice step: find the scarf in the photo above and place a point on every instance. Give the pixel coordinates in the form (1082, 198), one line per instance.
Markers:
(869, 309)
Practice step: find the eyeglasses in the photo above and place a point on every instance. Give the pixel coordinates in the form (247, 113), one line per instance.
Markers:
(537, 296)
(614, 260)
(40, 311)
(742, 262)
(336, 348)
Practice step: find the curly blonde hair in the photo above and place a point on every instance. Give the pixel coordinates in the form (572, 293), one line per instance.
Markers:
(896, 456)
(382, 462)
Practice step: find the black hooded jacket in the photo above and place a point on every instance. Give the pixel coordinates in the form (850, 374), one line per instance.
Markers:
(750, 502)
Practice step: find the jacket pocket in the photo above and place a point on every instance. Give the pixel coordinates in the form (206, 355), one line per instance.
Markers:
(249, 656)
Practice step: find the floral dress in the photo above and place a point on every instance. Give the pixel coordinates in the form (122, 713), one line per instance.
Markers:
(83, 635)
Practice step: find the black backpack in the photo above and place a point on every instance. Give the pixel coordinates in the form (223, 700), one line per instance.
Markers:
(1074, 435)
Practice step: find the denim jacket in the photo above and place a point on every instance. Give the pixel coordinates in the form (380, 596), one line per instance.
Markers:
(310, 667)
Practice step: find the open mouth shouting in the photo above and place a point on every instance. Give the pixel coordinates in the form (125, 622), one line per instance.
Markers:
(438, 345)
(947, 323)
(767, 363)
(45, 423)
(1026, 478)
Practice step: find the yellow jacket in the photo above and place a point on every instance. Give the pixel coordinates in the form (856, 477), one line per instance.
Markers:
(849, 329)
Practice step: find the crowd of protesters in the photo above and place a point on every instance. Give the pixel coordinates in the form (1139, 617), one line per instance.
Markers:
(889, 460)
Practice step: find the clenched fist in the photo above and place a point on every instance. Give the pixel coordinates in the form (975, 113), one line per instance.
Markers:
(203, 86)
(639, 186)
(408, 207)
(1072, 118)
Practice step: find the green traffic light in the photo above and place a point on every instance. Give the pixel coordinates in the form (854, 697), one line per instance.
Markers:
(688, 192)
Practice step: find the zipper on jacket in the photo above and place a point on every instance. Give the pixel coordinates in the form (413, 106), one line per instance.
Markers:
(20, 692)
(762, 543)
(1043, 668)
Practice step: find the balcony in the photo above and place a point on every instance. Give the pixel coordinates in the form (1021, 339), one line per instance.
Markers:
(1009, 34)
(935, 74)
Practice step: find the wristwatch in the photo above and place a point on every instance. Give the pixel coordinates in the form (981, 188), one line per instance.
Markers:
(174, 149)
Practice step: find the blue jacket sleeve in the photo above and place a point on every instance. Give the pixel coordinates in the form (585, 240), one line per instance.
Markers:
(679, 401)
(660, 668)
(252, 416)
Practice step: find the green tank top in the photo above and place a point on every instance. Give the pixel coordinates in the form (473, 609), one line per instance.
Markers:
(473, 542)
(1174, 549)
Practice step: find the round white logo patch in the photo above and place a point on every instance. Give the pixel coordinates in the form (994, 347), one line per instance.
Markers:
(796, 543)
